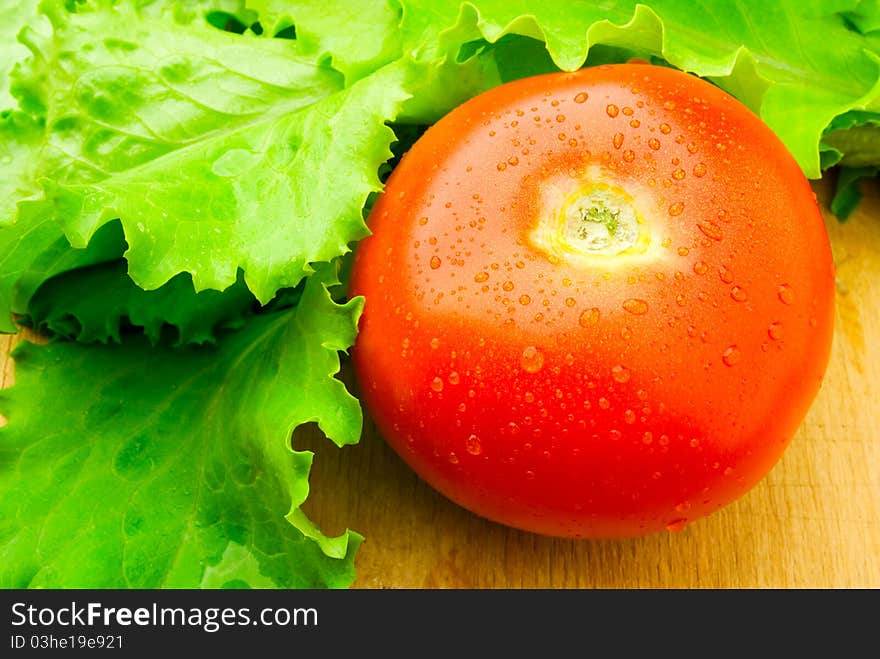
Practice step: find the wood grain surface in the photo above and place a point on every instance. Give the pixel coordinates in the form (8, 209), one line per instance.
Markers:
(814, 522)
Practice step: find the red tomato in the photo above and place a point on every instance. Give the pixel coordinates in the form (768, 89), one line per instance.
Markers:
(597, 303)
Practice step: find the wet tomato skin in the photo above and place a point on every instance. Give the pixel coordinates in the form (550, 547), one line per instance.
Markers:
(572, 392)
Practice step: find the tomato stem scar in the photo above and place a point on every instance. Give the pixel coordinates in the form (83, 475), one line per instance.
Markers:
(599, 213)
(596, 219)
(599, 219)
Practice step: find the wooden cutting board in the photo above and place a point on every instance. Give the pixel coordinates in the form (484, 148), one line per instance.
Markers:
(814, 522)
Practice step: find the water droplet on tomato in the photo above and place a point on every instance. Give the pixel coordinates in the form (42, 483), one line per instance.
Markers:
(731, 356)
(775, 331)
(435, 343)
(581, 97)
(435, 262)
(480, 277)
(676, 524)
(629, 155)
(501, 166)
(700, 169)
(700, 267)
(786, 295)
(423, 221)
(570, 302)
(678, 174)
(531, 360)
(683, 507)
(524, 299)
(473, 445)
(437, 384)
(635, 306)
(453, 458)
(612, 110)
(676, 208)
(654, 143)
(589, 317)
(507, 286)
(513, 161)
(620, 373)
(739, 294)
(711, 230)
(617, 140)
(629, 417)
(454, 377)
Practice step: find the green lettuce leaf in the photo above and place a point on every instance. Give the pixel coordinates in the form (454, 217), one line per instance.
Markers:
(20, 245)
(853, 140)
(162, 467)
(253, 198)
(190, 11)
(357, 38)
(21, 141)
(133, 100)
(798, 65)
(96, 303)
(865, 16)
(34, 248)
(15, 16)
(855, 136)
(847, 190)
(59, 257)
(162, 110)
